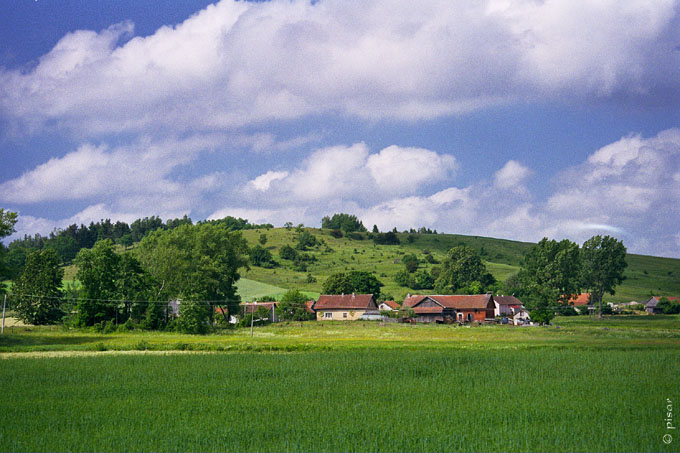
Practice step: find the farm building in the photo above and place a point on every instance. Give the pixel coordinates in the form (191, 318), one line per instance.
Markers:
(343, 307)
(580, 301)
(461, 308)
(650, 304)
(506, 305)
(388, 305)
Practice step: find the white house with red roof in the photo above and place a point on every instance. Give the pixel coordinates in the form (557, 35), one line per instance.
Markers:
(506, 305)
(343, 307)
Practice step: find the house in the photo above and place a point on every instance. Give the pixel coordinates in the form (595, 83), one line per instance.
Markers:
(580, 302)
(506, 305)
(343, 307)
(650, 304)
(461, 308)
(388, 305)
(521, 317)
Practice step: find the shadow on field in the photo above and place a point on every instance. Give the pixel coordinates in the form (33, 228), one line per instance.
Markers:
(37, 340)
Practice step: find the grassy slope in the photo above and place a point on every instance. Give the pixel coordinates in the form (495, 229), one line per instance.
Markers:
(645, 274)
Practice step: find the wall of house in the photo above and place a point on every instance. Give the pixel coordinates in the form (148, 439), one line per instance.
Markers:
(339, 315)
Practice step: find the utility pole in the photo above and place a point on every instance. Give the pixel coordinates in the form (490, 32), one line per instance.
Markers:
(4, 302)
(252, 317)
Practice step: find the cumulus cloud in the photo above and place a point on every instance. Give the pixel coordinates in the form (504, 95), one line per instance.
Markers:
(239, 63)
(512, 176)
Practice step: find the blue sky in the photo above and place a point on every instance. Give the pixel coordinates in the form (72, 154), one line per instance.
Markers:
(512, 119)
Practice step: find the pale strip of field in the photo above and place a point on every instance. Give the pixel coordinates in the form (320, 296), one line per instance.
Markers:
(58, 354)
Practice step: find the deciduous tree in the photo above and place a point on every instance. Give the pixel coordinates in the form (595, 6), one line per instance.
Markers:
(461, 267)
(37, 291)
(604, 261)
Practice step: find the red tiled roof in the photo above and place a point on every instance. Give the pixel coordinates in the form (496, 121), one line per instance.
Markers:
(507, 300)
(345, 301)
(581, 299)
(451, 301)
(392, 304)
(308, 306)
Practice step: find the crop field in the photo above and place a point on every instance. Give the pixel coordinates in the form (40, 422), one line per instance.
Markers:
(579, 385)
(346, 400)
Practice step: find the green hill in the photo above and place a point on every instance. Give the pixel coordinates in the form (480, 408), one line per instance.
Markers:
(645, 274)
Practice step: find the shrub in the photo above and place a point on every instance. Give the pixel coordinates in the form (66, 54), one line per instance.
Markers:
(260, 256)
(336, 233)
(288, 253)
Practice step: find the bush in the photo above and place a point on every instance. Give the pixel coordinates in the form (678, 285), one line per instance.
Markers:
(288, 253)
(260, 256)
(542, 316)
(193, 318)
(336, 233)
(356, 236)
(389, 238)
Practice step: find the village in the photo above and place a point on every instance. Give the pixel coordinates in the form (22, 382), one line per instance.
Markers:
(429, 308)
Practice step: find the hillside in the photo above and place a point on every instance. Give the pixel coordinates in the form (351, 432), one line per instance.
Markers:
(645, 274)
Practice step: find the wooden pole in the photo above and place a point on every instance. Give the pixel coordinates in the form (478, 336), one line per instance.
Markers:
(252, 317)
(4, 302)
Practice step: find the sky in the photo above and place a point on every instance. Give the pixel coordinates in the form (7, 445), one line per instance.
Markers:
(516, 119)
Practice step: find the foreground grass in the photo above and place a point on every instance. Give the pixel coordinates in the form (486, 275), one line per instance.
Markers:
(545, 399)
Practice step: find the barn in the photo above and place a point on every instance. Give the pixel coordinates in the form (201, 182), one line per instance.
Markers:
(460, 308)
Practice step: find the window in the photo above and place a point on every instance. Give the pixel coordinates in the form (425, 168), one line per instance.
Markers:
(344, 315)
(328, 315)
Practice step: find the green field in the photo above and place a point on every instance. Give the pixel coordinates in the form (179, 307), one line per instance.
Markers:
(645, 274)
(579, 385)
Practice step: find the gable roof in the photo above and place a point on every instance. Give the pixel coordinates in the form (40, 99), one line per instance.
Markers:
(458, 301)
(390, 303)
(507, 300)
(345, 301)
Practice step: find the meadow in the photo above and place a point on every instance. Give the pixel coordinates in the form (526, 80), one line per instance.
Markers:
(579, 385)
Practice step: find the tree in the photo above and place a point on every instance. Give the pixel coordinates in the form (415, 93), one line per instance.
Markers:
(286, 252)
(193, 317)
(263, 239)
(305, 240)
(410, 262)
(97, 271)
(38, 290)
(551, 273)
(197, 262)
(293, 307)
(462, 266)
(338, 283)
(344, 222)
(260, 256)
(668, 307)
(65, 246)
(7, 221)
(389, 238)
(604, 261)
(359, 282)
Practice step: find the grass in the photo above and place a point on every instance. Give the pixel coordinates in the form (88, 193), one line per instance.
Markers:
(587, 385)
(252, 290)
(345, 400)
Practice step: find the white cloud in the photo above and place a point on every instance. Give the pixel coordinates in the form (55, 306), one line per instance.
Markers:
(263, 182)
(238, 63)
(512, 176)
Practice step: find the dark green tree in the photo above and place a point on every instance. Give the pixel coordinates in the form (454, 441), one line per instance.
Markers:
(359, 282)
(305, 240)
(287, 252)
(344, 222)
(604, 261)
(260, 256)
(410, 262)
(461, 267)
(7, 221)
(338, 283)
(263, 239)
(37, 292)
(97, 273)
(66, 247)
(550, 273)
(292, 307)
(197, 262)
